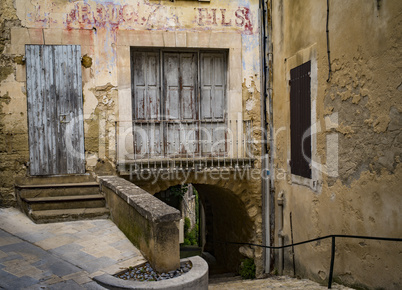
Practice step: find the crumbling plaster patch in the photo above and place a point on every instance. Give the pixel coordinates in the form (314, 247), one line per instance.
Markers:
(100, 106)
(252, 111)
(365, 101)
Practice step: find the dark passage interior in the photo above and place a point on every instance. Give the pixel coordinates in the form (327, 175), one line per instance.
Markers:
(220, 217)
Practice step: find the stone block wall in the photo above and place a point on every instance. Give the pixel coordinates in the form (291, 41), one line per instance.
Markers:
(150, 224)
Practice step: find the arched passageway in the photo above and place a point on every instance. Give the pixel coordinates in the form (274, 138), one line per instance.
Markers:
(223, 218)
(226, 220)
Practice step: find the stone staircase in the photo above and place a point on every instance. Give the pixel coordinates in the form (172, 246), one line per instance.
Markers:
(60, 198)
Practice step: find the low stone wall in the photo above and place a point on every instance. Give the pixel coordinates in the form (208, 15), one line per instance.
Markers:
(150, 224)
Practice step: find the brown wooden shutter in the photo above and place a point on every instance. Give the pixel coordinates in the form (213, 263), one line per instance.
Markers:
(300, 120)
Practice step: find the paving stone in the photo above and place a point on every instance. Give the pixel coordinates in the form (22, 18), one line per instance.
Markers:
(79, 259)
(64, 285)
(79, 277)
(66, 249)
(102, 251)
(55, 241)
(62, 268)
(5, 241)
(10, 256)
(53, 279)
(35, 237)
(99, 264)
(9, 281)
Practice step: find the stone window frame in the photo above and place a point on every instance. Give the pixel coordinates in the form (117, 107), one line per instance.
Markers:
(300, 57)
(230, 41)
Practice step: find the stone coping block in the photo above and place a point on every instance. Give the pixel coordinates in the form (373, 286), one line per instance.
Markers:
(146, 204)
(150, 224)
(196, 278)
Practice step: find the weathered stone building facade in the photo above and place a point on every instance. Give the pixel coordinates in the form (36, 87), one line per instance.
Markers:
(355, 182)
(146, 66)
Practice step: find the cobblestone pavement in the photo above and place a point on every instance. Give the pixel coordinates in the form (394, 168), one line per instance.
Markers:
(277, 282)
(60, 255)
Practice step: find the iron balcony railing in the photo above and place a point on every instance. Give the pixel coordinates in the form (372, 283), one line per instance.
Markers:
(184, 144)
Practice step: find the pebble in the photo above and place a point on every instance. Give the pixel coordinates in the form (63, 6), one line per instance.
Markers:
(146, 273)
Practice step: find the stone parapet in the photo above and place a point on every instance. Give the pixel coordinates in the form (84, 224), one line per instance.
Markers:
(150, 224)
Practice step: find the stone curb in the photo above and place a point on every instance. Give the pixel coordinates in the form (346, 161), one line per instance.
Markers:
(196, 278)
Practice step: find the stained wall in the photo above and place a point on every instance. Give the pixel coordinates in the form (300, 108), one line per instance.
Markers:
(356, 138)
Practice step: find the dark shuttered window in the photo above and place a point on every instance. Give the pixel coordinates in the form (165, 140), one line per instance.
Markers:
(300, 120)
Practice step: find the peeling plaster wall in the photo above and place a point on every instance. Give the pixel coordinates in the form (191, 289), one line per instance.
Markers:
(357, 142)
(105, 31)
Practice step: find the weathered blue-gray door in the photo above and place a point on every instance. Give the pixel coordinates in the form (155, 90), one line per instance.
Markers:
(55, 118)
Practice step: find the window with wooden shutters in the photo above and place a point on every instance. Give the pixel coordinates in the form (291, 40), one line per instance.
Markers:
(300, 120)
(178, 96)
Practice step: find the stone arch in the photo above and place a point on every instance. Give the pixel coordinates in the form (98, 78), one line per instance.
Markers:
(233, 204)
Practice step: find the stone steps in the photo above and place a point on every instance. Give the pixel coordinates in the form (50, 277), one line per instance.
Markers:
(62, 215)
(65, 202)
(60, 198)
(54, 189)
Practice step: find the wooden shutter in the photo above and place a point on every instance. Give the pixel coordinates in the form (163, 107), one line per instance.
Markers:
(180, 85)
(213, 80)
(300, 120)
(146, 95)
(213, 83)
(146, 105)
(180, 82)
(54, 88)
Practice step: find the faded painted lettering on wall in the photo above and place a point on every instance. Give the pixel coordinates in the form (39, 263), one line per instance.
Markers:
(140, 15)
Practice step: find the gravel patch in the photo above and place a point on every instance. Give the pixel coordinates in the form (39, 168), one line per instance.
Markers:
(145, 273)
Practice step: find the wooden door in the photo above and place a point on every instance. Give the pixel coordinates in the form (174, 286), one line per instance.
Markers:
(55, 116)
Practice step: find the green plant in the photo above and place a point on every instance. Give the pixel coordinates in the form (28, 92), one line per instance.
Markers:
(190, 235)
(178, 191)
(187, 225)
(247, 269)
